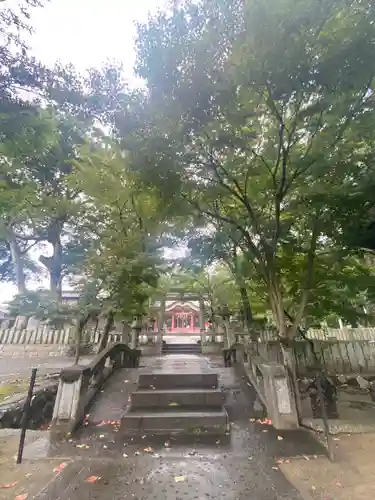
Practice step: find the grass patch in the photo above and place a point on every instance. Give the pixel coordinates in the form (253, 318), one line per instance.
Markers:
(9, 389)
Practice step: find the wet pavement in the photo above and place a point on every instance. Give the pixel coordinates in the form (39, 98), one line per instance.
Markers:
(103, 463)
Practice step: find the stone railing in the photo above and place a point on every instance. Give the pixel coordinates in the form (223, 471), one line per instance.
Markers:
(271, 382)
(78, 385)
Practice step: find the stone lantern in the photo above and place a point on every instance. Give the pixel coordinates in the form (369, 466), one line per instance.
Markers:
(224, 313)
(136, 328)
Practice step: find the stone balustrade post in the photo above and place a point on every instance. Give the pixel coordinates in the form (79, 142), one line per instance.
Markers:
(135, 331)
(201, 320)
(68, 405)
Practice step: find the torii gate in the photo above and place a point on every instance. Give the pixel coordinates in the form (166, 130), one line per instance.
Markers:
(159, 305)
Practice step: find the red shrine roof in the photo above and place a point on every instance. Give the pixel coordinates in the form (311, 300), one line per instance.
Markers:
(181, 306)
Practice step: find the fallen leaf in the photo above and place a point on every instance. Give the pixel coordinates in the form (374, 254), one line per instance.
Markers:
(179, 479)
(102, 423)
(336, 439)
(144, 437)
(275, 468)
(305, 457)
(338, 484)
(167, 444)
(264, 430)
(125, 455)
(93, 479)
(60, 467)
(249, 458)
(156, 455)
(252, 420)
(136, 453)
(218, 441)
(149, 450)
(22, 497)
(28, 474)
(105, 446)
(280, 438)
(9, 485)
(102, 436)
(172, 404)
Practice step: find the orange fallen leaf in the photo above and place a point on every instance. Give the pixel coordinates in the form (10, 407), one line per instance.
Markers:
(92, 479)
(9, 485)
(148, 450)
(22, 497)
(102, 423)
(60, 467)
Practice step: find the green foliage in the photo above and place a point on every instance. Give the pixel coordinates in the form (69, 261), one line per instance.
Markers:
(124, 255)
(252, 144)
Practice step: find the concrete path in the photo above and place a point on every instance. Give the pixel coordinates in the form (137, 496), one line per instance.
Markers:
(101, 463)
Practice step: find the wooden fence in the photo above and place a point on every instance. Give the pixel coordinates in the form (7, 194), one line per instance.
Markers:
(345, 334)
(47, 336)
(342, 357)
(348, 351)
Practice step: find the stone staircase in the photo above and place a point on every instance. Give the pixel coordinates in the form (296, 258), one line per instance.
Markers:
(170, 403)
(181, 348)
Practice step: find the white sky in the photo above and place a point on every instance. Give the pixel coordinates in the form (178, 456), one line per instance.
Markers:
(86, 33)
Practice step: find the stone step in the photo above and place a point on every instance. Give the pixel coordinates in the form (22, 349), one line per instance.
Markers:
(180, 397)
(178, 380)
(181, 348)
(165, 422)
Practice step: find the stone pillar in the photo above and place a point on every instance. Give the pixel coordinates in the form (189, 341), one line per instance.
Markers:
(68, 410)
(136, 330)
(201, 320)
(125, 335)
(230, 336)
(161, 314)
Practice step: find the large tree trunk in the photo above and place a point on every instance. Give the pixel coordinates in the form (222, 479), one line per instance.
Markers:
(17, 261)
(54, 263)
(107, 330)
(246, 306)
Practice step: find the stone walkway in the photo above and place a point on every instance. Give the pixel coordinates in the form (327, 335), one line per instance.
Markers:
(101, 463)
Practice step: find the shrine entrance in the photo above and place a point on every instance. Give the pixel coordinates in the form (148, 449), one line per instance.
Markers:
(180, 314)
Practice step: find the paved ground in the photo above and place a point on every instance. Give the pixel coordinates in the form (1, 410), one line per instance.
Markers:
(350, 477)
(101, 463)
(20, 367)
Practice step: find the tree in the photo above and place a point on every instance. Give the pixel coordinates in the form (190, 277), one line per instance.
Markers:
(125, 222)
(252, 143)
